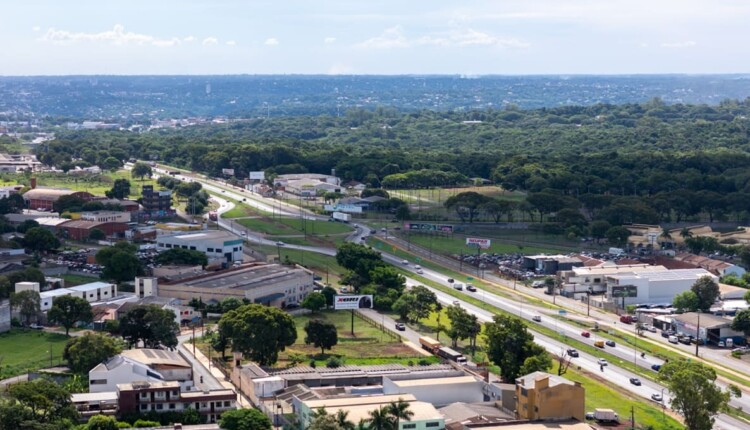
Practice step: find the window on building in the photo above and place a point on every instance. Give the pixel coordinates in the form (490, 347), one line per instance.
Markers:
(524, 392)
(209, 250)
(597, 280)
(144, 407)
(235, 249)
(432, 424)
(144, 396)
(98, 382)
(161, 245)
(172, 406)
(192, 248)
(409, 426)
(159, 406)
(226, 403)
(197, 406)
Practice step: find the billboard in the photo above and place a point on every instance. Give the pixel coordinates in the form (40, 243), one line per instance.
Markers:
(352, 302)
(478, 242)
(228, 172)
(414, 226)
(258, 176)
(625, 291)
(352, 209)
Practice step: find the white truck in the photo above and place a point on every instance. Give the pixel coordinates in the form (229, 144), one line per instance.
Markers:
(340, 216)
(606, 416)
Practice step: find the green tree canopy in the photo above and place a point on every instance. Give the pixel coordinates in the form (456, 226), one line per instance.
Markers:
(259, 332)
(83, 353)
(467, 204)
(150, 324)
(40, 239)
(245, 419)
(694, 392)
(707, 291)
(509, 345)
(102, 422)
(687, 301)
(314, 302)
(120, 189)
(140, 170)
(321, 334)
(68, 310)
(182, 256)
(27, 303)
(43, 400)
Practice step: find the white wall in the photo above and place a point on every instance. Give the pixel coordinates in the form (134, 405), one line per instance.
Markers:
(439, 394)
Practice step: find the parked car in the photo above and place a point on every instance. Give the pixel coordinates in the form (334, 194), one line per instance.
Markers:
(585, 334)
(400, 327)
(590, 416)
(572, 352)
(610, 343)
(36, 327)
(536, 318)
(635, 381)
(602, 362)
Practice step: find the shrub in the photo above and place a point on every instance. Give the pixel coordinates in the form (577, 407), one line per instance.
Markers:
(333, 362)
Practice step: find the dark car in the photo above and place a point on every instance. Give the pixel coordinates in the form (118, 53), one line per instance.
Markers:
(400, 327)
(667, 333)
(656, 367)
(635, 381)
(610, 343)
(572, 352)
(685, 340)
(471, 288)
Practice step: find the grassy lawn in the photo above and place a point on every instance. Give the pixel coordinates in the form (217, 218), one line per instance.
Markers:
(22, 351)
(73, 280)
(368, 345)
(438, 196)
(292, 226)
(94, 184)
(457, 245)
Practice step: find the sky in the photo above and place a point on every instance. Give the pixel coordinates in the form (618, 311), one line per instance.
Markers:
(474, 37)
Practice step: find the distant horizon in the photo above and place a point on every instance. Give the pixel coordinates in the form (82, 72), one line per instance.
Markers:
(460, 75)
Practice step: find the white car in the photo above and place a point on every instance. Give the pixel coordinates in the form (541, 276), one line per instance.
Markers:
(420, 272)
(602, 362)
(405, 262)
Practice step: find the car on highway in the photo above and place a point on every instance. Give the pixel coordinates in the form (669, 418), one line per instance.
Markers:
(405, 262)
(656, 367)
(572, 352)
(471, 288)
(280, 243)
(610, 343)
(420, 272)
(417, 266)
(602, 362)
(536, 318)
(400, 327)
(635, 381)
(451, 280)
(244, 233)
(657, 397)
(456, 303)
(585, 334)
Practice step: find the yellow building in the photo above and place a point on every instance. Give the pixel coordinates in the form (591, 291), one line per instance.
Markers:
(542, 396)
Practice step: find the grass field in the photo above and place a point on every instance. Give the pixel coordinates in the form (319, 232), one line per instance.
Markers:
(22, 351)
(73, 280)
(94, 184)
(368, 345)
(438, 196)
(292, 226)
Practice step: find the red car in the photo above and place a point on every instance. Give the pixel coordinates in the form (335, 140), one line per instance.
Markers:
(585, 334)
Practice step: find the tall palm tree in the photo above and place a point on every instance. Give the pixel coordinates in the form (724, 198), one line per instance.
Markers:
(686, 233)
(400, 411)
(342, 420)
(380, 419)
(320, 412)
(362, 425)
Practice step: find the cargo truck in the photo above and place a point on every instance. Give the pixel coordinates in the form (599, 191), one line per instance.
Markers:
(429, 344)
(213, 216)
(450, 354)
(606, 416)
(340, 216)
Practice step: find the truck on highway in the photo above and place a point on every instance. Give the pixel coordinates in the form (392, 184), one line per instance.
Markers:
(213, 216)
(452, 355)
(606, 416)
(429, 344)
(340, 216)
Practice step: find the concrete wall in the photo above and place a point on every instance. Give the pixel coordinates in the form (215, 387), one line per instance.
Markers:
(4, 315)
(440, 394)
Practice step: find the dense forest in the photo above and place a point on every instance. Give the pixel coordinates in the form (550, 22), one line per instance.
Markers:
(627, 163)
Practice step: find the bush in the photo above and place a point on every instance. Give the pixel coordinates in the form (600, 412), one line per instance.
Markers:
(333, 362)
(143, 423)
(423, 362)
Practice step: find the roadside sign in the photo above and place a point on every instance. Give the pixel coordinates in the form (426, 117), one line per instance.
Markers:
(562, 312)
(478, 242)
(469, 278)
(418, 259)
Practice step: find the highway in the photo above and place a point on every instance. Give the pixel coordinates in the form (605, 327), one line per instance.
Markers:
(614, 374)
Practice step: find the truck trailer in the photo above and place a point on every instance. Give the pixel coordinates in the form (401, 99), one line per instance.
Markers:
(429, 344)
(342, 217)
(450, 354)
(606, 416)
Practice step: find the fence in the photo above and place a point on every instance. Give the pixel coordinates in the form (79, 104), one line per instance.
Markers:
(395, 337)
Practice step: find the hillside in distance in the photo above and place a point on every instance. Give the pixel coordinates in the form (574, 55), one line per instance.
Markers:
(132, 98)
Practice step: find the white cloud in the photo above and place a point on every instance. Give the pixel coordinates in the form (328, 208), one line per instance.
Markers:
(210, 41)
(116, 36)
(678, 45)
(231, 43)
(394, 38)
(35, 28)
(271, 41)
(329, 40)
(189, 39)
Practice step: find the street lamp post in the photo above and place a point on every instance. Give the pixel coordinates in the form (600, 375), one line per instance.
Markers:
(588, 302)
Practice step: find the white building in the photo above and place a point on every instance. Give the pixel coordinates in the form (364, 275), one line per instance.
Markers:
(437, 391)
(93, 292)
(283, 180)
(577, 281)
(150, 365)
(218, 245)
(655, 287)
(106, 216)
(310, 187)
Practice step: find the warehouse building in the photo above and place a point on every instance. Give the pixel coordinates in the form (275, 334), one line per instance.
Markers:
(93, 292)
(267, 284)
(106, 216)
(709, 328)
(218, 245)
(45, 198)
(81, 230)
(653, 287)
(132, 365)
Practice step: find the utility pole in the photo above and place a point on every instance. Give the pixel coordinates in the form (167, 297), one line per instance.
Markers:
(698, 334)
(632, 417)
